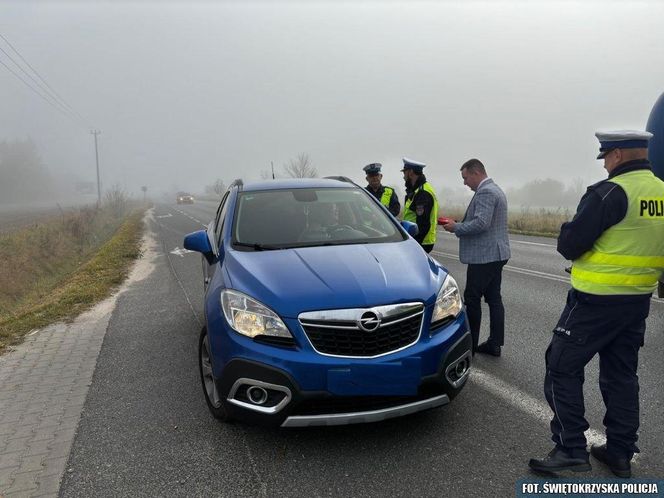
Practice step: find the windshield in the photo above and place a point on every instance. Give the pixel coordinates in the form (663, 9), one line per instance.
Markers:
(278, 219)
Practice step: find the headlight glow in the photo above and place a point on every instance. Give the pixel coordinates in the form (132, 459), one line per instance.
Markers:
(249, 317)
(448, 303)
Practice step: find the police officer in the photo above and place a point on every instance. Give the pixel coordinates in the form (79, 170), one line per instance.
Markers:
(421, 204)
(385, 195)
(616, 244)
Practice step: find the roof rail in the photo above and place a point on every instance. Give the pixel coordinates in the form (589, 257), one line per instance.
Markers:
(237, 183)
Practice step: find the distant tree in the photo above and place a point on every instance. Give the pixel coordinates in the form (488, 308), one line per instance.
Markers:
(574, 191)
(23, 176)
(300, 167)
(265, 174)
(538, 192)
(218, 187)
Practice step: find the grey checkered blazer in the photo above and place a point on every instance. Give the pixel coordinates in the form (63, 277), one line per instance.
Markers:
(483, 231)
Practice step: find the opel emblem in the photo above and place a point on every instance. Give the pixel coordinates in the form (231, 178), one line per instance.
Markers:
(369, 321)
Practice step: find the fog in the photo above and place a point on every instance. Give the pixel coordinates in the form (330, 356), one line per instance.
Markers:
(184, 94)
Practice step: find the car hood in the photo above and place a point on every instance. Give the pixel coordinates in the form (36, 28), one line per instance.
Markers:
(291, 281)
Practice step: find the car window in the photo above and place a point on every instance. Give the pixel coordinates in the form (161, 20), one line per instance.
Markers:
(277, 219)
(219, 220)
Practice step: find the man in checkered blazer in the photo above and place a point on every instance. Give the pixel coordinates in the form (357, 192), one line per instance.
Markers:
(484, 246)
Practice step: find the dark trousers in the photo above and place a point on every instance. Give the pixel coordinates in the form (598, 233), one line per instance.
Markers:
(427, 247)
(616, 332)
(484, 280)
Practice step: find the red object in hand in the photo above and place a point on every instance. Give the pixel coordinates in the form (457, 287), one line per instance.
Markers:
(444, 220)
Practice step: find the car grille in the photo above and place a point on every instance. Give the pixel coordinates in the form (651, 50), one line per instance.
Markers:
(345, 338)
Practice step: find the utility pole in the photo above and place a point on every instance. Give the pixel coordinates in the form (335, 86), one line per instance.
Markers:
(95, 133)
(272, 163)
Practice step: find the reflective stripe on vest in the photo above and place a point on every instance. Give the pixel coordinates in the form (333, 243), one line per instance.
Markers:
(628, 258)
(410, 215)
(387, 195)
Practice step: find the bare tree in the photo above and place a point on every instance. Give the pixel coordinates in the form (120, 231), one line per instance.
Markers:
(217, 187)
(265, 174)
(300, 167)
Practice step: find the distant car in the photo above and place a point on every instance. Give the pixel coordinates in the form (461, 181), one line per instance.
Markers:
(184, 198)
(321, 309)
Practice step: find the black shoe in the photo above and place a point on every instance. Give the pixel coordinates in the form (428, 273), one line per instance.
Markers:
(619, 466)
(488, 348)
(557, 460)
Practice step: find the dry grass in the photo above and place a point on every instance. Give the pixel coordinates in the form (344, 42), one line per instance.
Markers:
(541, 222)
(57, 270)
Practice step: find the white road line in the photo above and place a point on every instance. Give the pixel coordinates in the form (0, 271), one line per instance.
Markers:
(514, 269)
(189, 216)
(532, 243)
(530, 273)
(523, 401)
(541, 244)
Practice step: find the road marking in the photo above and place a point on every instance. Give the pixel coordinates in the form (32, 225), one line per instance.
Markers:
(164, 215)
(530, 273)
(180, 252)
(524, 401)
(541, 244)
(514, 269)
(189, 216)
(532, 243)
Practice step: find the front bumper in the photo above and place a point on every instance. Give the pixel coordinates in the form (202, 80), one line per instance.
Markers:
(269, 395)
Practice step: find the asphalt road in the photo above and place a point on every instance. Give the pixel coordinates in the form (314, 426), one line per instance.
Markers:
(146, 431)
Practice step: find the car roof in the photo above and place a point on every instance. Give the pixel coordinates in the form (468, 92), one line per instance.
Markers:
(291, 183)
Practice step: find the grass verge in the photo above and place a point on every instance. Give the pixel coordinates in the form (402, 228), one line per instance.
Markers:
(93, 281)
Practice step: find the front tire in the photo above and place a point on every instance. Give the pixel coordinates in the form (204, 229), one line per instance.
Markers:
(212, 397)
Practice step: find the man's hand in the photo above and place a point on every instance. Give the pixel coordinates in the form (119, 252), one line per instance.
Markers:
(449, 227)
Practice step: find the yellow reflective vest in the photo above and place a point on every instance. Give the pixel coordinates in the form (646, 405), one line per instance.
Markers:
(387, 196)
(410, 215)
(628, 258)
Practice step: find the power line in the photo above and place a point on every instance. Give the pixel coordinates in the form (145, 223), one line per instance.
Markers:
(53, 92)
(61, 105)
(36, 91)
(46, 93)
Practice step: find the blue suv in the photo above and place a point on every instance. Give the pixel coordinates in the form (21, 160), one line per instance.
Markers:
(321, 309)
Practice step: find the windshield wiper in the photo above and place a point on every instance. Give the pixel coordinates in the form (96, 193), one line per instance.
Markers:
(258, 247)
(329, 243)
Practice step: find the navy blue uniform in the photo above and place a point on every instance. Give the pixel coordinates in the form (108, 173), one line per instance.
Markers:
(422, 204)
(394, 206)
(612, 326)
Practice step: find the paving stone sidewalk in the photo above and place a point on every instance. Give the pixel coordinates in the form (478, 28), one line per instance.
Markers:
(43, 385)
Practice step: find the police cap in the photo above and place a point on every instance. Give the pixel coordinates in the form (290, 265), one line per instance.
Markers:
(373, 169)
(416, 166)
(621, 139)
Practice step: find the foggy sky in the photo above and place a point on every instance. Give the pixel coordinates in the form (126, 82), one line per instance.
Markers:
(185, 93)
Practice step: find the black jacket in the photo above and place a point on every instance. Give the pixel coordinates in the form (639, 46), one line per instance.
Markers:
(421, 205)
(603, 205)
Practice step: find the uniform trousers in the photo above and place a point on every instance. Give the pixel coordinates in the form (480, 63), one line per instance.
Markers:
(615, 330)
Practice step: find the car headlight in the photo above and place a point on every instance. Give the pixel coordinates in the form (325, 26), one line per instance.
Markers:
(448, 303)
(251, 318)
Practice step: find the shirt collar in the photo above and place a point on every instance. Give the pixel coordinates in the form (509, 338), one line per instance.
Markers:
(482, 182)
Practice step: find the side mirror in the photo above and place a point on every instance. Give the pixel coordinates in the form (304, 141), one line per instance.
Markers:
(198, 241)
(410, 227)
